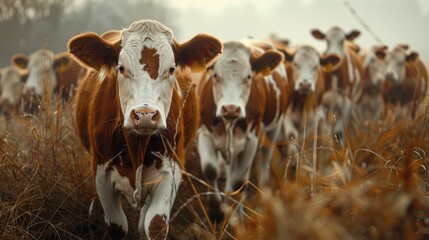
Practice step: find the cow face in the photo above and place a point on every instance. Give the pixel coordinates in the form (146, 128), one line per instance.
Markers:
(10, 84)
(375, 64)
(146, 68)
(41, 67)
(306, 64)
(396, 61)
(144, 60)
(335, 39)
(233, 75)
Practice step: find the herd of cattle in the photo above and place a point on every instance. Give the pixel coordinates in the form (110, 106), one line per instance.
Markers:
(139, 105)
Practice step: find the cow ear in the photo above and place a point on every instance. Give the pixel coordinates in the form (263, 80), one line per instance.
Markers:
(412, 56)
(287, 55)
(352, 35)
(62, 62)
(329, 62)
(317, 34)
(20, 61)
(91, 50)
(403, 46)
(267, 62)
(380, 52)
(198, 53)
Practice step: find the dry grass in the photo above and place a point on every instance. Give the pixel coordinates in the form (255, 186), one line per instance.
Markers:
(373, 188)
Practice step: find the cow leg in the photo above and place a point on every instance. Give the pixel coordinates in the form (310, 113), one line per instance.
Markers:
(114, 216)
(162, 185)
(267, 154)
(211, 169)
(238, 170)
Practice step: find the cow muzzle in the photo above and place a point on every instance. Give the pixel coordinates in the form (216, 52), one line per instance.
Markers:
(146, 120)
(391, 77)
(231, 112)
(304, 87)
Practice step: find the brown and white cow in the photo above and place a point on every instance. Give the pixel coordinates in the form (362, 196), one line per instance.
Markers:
(11, 83)
(348, 73)
(344, 81)
(242, 104)
(374, 74)
(406, 80)
(306, 74)
(135, 113)
(47, 73)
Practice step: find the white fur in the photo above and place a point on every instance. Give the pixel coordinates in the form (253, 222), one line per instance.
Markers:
(232, 87)
(10, 85)
(136, 88)
(40, 71)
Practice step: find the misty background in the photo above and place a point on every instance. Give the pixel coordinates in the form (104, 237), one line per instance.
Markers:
(28, 25)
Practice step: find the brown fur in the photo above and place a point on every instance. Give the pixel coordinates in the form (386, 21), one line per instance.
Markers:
(150, 59)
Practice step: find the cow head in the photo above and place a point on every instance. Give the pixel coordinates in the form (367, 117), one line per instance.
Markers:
(306, 64)
(11, 82)
(396, 61)
(41, 67)
(335, 39)
(143, 61)
(232, 76)
(375, 65)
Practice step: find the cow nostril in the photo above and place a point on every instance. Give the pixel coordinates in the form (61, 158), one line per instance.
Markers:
(156, 116)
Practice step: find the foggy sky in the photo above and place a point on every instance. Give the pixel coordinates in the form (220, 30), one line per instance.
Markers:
(393, 21)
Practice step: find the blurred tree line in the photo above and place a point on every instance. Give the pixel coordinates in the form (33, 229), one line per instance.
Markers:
(28, 25)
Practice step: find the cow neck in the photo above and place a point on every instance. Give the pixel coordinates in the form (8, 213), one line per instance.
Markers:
(208, 106)
(255, 104)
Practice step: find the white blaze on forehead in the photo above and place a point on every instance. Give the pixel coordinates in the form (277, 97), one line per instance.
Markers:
(232, 86)
(395, 61)
(306, 64)
(335, 39)
(375, 67)
(40, 71)
(138, 88)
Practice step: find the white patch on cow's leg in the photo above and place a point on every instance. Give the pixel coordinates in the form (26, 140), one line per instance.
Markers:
(162, 186)
(238, 170)
(114, 215)
(208, 156)
(142, 218)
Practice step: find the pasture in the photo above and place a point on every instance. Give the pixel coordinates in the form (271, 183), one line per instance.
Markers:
(373, 187)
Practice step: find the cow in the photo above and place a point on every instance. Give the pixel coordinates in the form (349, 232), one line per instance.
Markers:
(11, 83)
(344, 82)
(47, 73)
(406, 81)
(136, 110)
(374, 74)
(242, 103)
(348, 73)
(306, 75)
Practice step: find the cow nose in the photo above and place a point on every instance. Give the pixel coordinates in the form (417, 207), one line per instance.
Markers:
(145, 117)
(231, 111)
(304, 86)
(29, 91)
(390, 77)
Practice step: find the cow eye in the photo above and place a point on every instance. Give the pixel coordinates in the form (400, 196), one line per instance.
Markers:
(249, 77)
(120, 68)
(172, 69)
